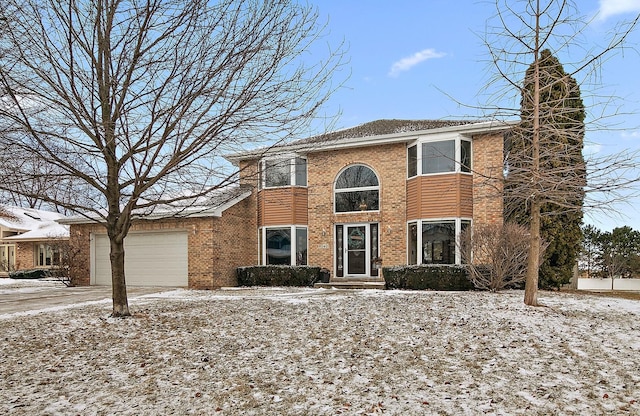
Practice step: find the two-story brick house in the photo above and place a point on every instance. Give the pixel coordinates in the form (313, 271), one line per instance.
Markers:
(390, 192)
(386, 193)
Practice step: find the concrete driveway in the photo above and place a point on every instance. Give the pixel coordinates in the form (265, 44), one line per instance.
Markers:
(18, 296)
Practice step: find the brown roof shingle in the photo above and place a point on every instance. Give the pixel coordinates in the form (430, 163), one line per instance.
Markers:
(380, 127)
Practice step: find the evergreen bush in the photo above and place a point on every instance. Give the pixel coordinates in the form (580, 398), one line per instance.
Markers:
(431, 277)
(280, 275)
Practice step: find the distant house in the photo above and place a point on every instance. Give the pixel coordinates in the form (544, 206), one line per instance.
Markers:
(386, 193)
(29, 239)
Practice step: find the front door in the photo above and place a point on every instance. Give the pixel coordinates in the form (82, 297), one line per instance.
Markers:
(356, 250)
(356, 246)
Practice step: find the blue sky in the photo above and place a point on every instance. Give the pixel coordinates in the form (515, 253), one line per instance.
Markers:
(420, 59)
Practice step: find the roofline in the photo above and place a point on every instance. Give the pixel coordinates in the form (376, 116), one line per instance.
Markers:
(17, 239)
(190, 212)
(343, 143)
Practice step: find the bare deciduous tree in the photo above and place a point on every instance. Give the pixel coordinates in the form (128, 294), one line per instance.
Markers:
(136, 100)
(544, 173)
(495, 255)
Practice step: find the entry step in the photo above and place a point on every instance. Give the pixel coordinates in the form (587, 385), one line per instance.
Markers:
(351, 285)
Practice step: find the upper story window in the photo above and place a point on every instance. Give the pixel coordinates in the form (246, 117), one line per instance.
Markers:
(441, 156)
(357, 189)
(283, 172)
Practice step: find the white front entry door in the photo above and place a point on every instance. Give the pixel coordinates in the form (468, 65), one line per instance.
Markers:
(357, 250)
(356, 246)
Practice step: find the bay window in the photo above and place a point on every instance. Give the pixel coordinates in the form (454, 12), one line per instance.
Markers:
(284, 245)
(442, 156)
(279, 172)
(435, 242)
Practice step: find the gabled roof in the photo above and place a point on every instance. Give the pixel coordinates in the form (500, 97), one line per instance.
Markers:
(376, 133)
(213, 206)
(32, 224)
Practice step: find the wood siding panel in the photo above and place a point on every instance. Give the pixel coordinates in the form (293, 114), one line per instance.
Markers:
(300, 206)
(439, 196)
(283, 206)
(413, 198)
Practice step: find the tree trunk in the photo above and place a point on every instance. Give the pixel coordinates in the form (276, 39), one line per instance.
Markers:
(119, 287)
(531, 285)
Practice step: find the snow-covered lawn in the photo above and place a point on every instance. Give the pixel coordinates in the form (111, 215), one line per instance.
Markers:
(326, 352)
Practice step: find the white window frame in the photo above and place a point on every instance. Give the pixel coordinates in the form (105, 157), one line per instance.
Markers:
(43, 247)
(262, 250)
(458, 155)
(11, 260)
(458, 230)
(359, 189)
(291, 159)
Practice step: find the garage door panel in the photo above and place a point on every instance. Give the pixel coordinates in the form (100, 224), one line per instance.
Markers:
(151, 259)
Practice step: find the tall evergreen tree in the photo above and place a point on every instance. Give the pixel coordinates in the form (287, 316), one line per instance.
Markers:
(561, 117)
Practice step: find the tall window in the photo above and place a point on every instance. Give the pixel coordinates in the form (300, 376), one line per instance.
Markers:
(412, 161)
(284, 245)
(47, 255)
(435, 242)
(442, 156)
(357, 189)
(7, 257)
(283, 172)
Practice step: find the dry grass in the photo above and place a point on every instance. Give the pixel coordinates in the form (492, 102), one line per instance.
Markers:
(323, 352)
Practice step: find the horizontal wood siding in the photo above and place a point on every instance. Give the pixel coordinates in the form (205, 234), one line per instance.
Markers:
(439, 196)
(283, 206)
(300, 206)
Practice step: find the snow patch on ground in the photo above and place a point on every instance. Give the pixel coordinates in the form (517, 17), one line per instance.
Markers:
(326, 352)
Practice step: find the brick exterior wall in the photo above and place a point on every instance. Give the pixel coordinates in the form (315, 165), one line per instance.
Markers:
(488, 166)
(25, 255)
(388, 161)
(216, 245)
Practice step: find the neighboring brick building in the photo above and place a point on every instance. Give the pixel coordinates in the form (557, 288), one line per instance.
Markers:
(30, 239)
(390, 192)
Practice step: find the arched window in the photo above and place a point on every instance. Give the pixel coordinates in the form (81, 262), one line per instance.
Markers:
(357, 189)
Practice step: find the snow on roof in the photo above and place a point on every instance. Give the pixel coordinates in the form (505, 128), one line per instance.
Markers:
(32, 224)
(212, 206)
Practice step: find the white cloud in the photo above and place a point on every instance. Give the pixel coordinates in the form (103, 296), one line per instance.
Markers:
(592, 149)
(613, 7)
(409, 62)
(631, 135)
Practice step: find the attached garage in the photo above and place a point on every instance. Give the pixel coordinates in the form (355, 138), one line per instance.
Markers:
(151, 259)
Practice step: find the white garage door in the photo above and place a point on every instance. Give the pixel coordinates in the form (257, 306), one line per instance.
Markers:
(151, 259)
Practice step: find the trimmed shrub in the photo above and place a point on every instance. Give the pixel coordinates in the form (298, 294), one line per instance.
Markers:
(432, 277)
(29, 274)
(280, 275)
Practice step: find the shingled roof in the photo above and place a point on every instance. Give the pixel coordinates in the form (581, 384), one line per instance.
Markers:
(380, 127)
(380, 131)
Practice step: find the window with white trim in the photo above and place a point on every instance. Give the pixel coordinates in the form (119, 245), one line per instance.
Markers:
(441, 156)
(47, 255)
(278, 172)
(283, 245)
(435, 242)
(357, 189)
(7, 257)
